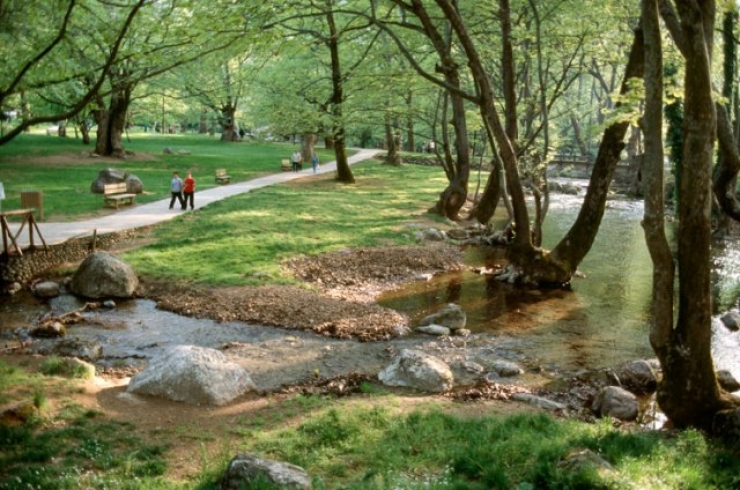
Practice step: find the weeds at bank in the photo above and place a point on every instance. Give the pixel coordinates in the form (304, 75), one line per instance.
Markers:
(368, 441)
(57, 167)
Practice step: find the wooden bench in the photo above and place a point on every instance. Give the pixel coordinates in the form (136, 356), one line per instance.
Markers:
(222, 177)
(115, 194)
(285, 165)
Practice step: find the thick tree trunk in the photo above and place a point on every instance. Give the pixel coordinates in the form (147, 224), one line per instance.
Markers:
(112, 122)
(578, 241)
(689, 394)
(229, 129)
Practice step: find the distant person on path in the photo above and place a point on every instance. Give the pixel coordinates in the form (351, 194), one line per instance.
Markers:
(431, 146)
(315, 162)
(176, 190)
(296, 160)
(188, 191)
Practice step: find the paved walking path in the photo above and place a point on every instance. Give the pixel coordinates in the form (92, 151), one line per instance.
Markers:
(156, 212)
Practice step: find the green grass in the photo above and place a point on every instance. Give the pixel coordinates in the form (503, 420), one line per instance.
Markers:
(66, 367)
(244, 239)
(368, 441)
(56, 167)
(359, 445)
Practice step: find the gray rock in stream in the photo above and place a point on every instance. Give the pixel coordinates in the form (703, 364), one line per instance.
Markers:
(194, 375)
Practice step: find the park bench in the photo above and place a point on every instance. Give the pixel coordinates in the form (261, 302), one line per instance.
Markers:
(222, 177)
(115, 195)
(285, 165)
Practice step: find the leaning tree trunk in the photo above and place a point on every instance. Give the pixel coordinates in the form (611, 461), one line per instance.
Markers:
(578, 241)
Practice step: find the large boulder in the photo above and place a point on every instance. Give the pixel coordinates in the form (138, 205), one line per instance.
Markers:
(113, 176)
(194, 375)
(451, 316)
(246, 471)
(615, 402)
(415, 369)
(103, 275)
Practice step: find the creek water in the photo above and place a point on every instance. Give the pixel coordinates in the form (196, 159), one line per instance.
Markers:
(601, 321)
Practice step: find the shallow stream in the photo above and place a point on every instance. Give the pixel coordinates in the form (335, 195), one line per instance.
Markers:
(602, 321)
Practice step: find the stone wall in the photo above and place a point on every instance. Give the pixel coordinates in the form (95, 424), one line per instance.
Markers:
(24, 268)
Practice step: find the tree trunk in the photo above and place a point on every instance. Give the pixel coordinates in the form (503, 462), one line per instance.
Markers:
(689, 394)
(393, 157)
(578, 136)
(203, 121)
(229, 129)
(344, 173)
(410, 136)
(112, 122)
(578, 241)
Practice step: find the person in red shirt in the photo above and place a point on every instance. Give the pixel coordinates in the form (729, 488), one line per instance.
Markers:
(188, 190)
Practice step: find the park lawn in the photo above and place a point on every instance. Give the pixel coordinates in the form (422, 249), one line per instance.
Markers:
(244, 239)
(61, 169)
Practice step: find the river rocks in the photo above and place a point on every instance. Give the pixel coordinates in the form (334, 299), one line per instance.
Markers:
(731, 320)
(616, 402)
(506, 369)
(727, 423)
(19, 270)
(433, 330)
(727, 381)
(46, 289)
(103, 275)
(246, 470)
(415, 369)
(49, 330)
(194, 375)
(638, 376)
(451, 316)
(538, 401)
(431, 234)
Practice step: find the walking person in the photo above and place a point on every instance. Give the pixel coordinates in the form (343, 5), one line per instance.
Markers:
(315, 162)
(176, 190)
(188, 190)
(296, 159)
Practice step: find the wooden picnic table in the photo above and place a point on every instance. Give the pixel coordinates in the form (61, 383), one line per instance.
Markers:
(10, 240)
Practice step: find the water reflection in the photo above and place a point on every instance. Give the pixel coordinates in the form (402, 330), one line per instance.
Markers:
(602, 321)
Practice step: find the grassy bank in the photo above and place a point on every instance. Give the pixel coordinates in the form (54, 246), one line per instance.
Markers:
(62, 169)
(243, 239)
(375, 440)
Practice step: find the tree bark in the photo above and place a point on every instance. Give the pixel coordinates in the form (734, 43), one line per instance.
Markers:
(689, 394)
(112, 121)
(344, 173)
(229, 129)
